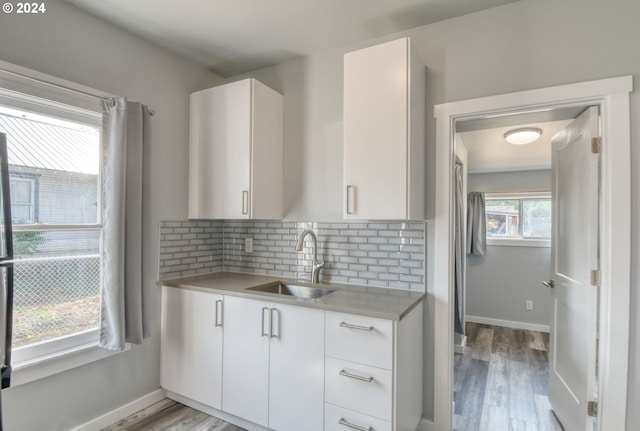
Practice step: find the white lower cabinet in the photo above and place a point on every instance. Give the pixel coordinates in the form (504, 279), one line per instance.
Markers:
(359, 387)
(292, 368)
(341, 419)
(373, 372)
(191, 363)
(274, 364)
(246, 360)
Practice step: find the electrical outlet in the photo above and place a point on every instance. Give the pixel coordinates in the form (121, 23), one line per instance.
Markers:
(529, 305)
(248, 245)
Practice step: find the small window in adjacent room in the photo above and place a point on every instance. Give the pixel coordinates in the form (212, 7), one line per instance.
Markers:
(522, 219)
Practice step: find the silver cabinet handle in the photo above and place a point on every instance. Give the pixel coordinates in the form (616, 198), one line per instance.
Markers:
(348, 424)
(550, 284)
(274, 334)
(350, 199)
(245, 202)
(262, 332)
(219, 312)
(358, 327)
(346, 373)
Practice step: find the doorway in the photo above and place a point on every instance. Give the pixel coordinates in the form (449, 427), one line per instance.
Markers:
(501, 365)
(612, 96)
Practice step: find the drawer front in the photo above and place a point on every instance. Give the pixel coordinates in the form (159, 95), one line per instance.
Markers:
(360, 339)
(359, 387)
(339, 419)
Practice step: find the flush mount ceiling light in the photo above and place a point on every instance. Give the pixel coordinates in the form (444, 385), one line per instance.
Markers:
(522, 136)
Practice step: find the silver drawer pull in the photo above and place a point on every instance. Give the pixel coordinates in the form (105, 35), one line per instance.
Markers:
(348, 424)
(358, 327)
(346, 373)
(262, 331)
(219, 311)
(245, 202)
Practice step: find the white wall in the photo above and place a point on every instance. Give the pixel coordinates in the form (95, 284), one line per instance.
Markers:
(69, 44)
(524, 45)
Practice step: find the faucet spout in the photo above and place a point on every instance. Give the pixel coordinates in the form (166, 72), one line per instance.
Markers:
(317, 264)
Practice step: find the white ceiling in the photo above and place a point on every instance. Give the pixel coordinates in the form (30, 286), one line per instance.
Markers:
(236, 36)
(489, 152)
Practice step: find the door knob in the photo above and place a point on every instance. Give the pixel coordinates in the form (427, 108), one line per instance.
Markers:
(551, 283)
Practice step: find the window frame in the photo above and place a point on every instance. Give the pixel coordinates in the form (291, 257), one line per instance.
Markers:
(520, 240)
(33, 204)
(48, 357)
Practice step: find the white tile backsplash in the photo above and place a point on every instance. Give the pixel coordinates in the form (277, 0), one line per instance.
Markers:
(387, 254)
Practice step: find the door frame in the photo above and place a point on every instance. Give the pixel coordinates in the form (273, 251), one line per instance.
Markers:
(612, 97)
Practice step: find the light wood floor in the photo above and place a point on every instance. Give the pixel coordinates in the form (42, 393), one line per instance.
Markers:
(500, 382)
(168, 415)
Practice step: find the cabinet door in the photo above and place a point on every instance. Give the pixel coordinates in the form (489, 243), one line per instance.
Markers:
(296, 392)
(376, 131)
(246, 359)
(192, 345)
(220, 152)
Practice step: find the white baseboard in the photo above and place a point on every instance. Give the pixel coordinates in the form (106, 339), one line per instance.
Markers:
(508, 323)
(122, 412)
(459, 348)
(426, 425)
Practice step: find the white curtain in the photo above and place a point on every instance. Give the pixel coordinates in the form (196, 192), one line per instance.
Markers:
(476, 224)
(125, 128)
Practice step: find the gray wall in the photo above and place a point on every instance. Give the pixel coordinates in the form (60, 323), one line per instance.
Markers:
(525, 45)
(499, 283)
(72, 45)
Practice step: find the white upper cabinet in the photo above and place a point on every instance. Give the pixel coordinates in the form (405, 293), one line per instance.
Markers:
(235, 152)
(384, 120)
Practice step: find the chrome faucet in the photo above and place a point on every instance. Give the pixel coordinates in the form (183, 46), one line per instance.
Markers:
(317, 265)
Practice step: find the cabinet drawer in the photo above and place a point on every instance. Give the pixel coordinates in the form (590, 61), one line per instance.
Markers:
(359, 387)
(339, 419)
(365, 340)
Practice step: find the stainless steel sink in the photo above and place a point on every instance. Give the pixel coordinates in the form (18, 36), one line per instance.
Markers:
(309, 292)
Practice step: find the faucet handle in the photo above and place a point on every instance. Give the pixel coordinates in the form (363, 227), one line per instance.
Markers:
(322, 261)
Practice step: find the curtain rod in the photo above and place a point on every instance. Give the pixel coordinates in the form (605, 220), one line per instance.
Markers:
(84, 93)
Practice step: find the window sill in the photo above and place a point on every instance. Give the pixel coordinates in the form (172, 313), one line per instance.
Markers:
(518, 242)
(58, 362)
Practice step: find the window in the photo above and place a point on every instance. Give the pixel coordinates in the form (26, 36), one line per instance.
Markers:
(23, 205)
(524, 217)
(54, 154)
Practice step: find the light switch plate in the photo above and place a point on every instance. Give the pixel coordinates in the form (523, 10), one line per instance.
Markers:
(248, 245)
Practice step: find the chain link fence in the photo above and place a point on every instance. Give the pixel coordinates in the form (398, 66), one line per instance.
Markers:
(55, 297)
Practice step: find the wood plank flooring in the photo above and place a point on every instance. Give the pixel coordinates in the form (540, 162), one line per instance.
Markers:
(500, 381)
(168, 415)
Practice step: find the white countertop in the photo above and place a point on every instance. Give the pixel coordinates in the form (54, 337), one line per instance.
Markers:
(370, 301)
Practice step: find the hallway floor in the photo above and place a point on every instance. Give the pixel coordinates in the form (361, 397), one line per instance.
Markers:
(500, 382)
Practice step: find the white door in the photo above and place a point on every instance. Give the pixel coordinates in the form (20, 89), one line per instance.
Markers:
(245, 378)
(572, 362)
(375, 131)
(192, 345)
(220, 151)
(296, 384)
